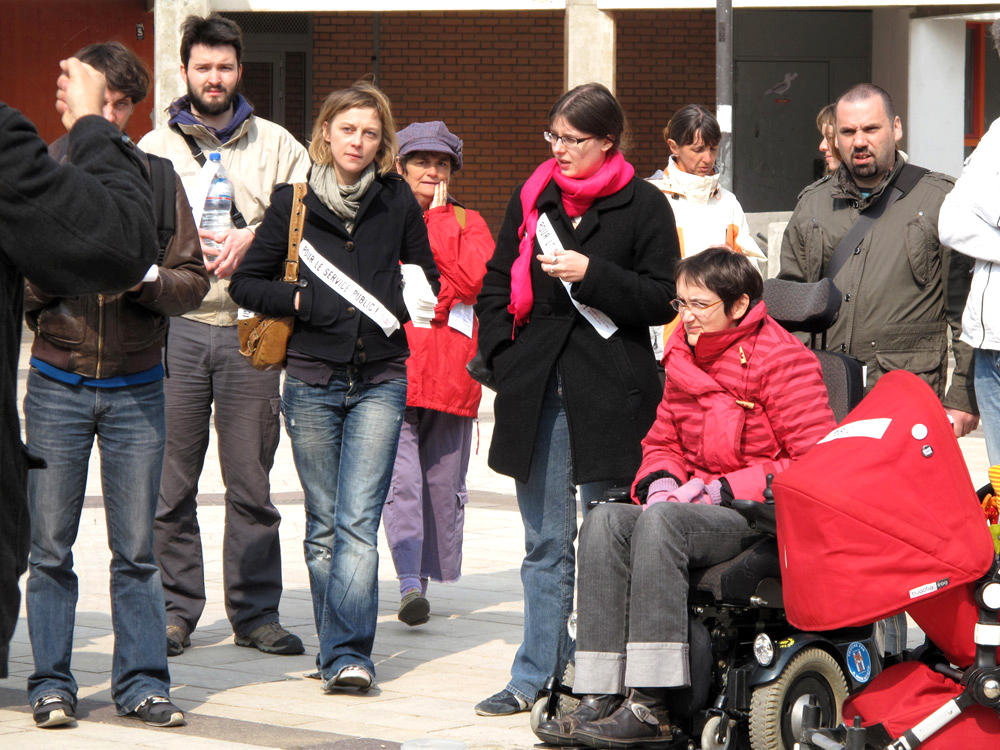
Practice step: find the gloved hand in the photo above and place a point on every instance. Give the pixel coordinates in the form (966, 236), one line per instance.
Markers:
(660, 490)
(693, 491)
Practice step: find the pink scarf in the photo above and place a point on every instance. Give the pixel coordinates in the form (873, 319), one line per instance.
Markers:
(577, 196)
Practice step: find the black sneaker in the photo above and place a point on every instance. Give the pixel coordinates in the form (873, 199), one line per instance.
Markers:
(157, 711)
(53, 711)
(271, 638)
(503, 703)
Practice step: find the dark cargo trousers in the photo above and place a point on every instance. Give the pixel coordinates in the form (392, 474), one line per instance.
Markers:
(205, 367)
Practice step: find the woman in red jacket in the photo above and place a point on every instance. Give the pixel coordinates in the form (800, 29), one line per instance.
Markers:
(424, 513)
(743, 399)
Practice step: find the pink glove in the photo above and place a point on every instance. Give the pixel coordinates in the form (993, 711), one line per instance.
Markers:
(659, 491)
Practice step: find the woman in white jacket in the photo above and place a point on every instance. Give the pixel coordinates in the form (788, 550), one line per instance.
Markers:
(706, 214)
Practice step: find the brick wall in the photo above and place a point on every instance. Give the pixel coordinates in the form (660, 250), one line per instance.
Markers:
(665, 60)
(490, 76)
(493, 76)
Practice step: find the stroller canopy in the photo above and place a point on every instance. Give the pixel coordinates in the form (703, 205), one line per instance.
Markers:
(881, 514)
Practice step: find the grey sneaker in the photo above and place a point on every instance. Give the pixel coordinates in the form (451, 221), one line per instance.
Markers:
(53, 711)
(158, 711)
(414, 609)
(271, 638)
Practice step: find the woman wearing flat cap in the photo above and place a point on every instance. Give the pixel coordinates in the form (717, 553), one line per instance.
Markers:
(424, 513)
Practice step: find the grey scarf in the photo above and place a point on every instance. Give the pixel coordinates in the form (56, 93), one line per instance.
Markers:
(343, 200)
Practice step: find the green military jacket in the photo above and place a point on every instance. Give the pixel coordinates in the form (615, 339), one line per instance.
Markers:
(903, 292)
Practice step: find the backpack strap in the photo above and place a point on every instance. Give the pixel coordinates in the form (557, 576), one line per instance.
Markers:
(164, 187)
(905, 181)
(295, 228)
(460, 215)
(199, 156)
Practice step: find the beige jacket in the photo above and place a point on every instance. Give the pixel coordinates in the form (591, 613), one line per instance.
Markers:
(259, 156)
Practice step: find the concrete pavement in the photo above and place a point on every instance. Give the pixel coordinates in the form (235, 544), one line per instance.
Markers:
(428, 678)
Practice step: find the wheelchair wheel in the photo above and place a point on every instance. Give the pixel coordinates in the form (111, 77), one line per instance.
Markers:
(776, 708)
(564, 703)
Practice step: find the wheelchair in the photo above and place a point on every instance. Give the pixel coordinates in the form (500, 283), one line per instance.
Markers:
(755, 680)
(754, 677)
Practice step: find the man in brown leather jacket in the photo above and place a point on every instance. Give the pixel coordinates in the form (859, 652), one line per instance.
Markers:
(96, 370)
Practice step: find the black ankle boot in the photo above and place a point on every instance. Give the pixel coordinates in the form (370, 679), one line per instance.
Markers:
(641, 719)
(559, 732)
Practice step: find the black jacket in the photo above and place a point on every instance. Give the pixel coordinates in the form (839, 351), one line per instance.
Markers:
(610, 387)
(75, 229)
(389, 229)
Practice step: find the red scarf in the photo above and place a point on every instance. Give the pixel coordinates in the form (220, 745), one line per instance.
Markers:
(577, 196)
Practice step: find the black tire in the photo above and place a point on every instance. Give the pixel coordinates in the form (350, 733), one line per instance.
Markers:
(775, 708)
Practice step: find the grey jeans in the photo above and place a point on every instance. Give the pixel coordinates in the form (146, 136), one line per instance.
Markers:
(633, 585)
(205, 370)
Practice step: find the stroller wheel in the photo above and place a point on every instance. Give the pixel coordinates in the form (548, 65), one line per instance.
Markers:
(776, 708)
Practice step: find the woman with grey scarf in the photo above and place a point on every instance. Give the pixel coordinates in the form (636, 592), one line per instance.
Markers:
(345, 385)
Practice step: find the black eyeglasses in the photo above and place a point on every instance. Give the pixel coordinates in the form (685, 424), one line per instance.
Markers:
(567, 140)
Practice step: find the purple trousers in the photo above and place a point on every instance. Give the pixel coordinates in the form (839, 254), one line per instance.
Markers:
(424, 513)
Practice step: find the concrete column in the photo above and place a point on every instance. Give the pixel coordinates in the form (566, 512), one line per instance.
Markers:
(590, 45)
(167, 18)
(936, 113)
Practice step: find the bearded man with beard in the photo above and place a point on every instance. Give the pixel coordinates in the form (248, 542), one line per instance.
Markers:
(204, 365)
(902, 291)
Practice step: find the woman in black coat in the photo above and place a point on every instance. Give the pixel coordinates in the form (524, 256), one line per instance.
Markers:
(345, 384)
(577, 386)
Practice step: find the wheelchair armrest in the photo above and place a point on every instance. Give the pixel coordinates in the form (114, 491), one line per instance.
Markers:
(613, 495)
(760, 516)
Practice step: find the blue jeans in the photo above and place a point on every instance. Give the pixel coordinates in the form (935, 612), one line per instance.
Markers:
(60, 422)
(344, 438)
(547, 501)
(987, 382)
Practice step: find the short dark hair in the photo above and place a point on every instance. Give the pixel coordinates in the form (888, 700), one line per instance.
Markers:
(688, 122)
(213, 31)
(726, 273)
(592, 109)
(860, 92)
(122, 68)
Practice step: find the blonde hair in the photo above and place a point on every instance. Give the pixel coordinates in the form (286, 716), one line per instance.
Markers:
(362, 95)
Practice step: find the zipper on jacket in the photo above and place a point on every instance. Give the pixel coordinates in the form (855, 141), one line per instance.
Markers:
(100, 333)
(982, 306)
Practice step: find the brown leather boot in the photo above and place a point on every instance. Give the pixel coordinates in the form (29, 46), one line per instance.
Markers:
(559, 732)
(642, 719)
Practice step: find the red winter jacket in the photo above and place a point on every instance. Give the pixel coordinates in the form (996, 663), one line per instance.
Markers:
(438, 355)
(745, 403)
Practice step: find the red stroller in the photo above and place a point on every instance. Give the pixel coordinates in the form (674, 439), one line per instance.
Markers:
(880, 518)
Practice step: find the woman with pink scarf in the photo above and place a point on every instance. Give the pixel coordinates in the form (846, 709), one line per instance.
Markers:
(583, 266)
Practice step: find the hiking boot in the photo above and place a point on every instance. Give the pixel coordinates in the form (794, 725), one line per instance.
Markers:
(178, 639)
(158, 711)
(271, 638)
(53, 711)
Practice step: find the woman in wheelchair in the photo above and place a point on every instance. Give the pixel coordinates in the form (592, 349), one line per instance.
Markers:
(743, 398)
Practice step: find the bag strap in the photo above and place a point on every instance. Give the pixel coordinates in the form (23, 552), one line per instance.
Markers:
(460, 215)
(199, 156)
(164, 187)
(905, 181)
(295, 227)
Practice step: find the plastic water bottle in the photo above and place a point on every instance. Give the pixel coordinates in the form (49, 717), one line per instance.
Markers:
(217, 216)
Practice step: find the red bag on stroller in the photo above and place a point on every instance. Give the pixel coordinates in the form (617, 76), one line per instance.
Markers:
(905, 694)
(880, 516)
